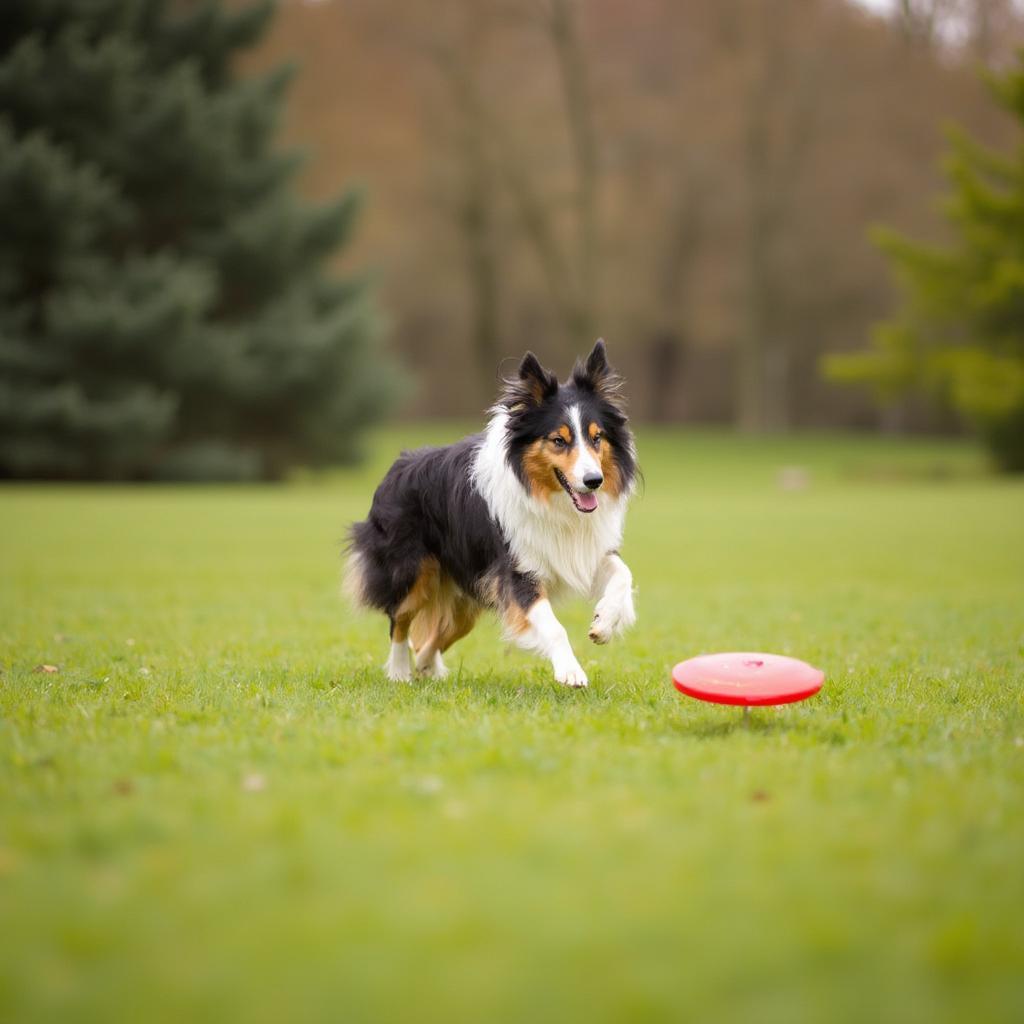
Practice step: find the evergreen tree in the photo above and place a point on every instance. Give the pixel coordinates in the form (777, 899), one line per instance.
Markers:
(165, 305)
(960, 332)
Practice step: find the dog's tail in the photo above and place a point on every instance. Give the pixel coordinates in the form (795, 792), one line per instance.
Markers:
(353, 572)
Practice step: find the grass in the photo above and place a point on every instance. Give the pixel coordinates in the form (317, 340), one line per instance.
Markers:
(218, 808)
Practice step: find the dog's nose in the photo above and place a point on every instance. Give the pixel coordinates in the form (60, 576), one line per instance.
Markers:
(593, 481)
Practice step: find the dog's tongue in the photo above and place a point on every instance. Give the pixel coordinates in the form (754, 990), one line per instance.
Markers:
(587, 502)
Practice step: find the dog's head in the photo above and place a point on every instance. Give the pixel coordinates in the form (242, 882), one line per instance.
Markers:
(569, 441)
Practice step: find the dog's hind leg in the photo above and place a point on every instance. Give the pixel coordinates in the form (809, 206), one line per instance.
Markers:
(399, 664)
(434, 667)
(450, 619)
(419, 596)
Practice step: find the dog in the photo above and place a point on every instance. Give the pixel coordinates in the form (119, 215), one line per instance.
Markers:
(505, 520)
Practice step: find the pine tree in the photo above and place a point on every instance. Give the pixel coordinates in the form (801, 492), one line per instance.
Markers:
(165, 303)
(959, 335)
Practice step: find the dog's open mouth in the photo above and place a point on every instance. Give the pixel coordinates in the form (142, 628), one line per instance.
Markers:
(585, 501)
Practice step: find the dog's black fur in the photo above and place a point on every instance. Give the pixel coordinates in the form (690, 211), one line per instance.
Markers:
(427, 507)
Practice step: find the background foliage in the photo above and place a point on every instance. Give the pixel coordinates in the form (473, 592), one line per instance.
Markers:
(960, 332)
(165, 306)
(695, 178)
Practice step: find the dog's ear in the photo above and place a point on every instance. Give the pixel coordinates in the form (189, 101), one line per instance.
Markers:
(596, 373)
(531, 386)
(596, 365)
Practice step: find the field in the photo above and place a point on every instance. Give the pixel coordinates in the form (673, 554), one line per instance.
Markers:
(217, 808)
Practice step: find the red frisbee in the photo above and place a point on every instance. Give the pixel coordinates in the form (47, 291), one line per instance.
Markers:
(747, 678)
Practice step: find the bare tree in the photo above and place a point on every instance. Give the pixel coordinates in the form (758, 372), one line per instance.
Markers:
(686, 223)
(564, 30)
(706, 177)
(476, 208)
(492, 161)
(922, 21)
(781, 112)
(994, 29)
(989, 30)
(570, 267)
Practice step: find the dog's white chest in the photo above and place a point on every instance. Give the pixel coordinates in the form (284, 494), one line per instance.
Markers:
(563, 551)
(562, 547)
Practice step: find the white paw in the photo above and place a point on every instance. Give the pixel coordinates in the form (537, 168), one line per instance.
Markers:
(436, 668)
(570, 674)
(613, 615)
(398, 667)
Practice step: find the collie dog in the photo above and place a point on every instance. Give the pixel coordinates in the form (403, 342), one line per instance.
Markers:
(506, 520)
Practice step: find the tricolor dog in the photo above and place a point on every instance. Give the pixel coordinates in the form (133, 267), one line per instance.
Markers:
(506, 520)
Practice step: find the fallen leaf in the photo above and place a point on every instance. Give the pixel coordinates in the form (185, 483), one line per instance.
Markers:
(124, 787)
(455, 809)
(49, 669)
(428, 785)
(760, 796)
(254, 783)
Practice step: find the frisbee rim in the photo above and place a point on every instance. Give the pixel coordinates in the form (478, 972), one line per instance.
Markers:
(793, 696)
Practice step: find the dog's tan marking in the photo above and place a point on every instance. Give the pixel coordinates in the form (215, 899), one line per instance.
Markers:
(463, 619)
(490, 590)
(610, 470)
(541, 460)
(535, 387)
(495, 593)
(609, 467)
(515, 618)
(446, 616)
(422, 593)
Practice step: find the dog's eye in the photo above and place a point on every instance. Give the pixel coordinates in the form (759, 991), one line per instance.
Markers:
(596, 439)
(558, 442)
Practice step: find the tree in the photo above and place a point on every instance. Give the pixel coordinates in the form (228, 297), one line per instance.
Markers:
(988, 29)
(570, 265)
(959, 335)
(458, 52)
(165, 303)
(782, 106)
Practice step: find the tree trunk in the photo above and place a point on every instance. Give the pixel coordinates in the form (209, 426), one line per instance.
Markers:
(665, 354)
(569, 50)
(478, 189)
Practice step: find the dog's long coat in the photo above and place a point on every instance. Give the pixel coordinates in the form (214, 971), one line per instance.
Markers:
(504, 520)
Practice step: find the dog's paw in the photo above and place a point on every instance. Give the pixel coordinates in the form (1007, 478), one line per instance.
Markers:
(612, 616)
(436, 668)
(571, 674)
(398, 667)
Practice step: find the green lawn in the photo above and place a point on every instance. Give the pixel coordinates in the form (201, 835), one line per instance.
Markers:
(218, 808)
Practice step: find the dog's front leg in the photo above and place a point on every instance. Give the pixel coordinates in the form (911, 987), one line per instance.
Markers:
(614, 612)
(548, 636)
(530, 621)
